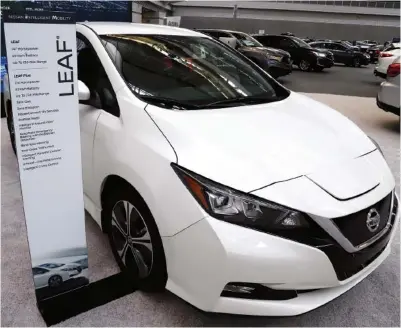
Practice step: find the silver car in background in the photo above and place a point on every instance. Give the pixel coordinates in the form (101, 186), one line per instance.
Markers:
(388, 97)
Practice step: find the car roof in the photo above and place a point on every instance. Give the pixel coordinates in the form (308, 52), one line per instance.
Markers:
(102, 28)
(220, 30)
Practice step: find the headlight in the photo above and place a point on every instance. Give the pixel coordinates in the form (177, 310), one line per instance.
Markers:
(278, 58)
(239, 208)
(319, 54)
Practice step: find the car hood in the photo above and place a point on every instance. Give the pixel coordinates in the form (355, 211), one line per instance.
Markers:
(249, 147)
(271, 51)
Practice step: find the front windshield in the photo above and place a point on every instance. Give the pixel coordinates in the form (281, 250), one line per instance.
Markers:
(301, 43)
(246, 40)
(191, 70)
(347, 43)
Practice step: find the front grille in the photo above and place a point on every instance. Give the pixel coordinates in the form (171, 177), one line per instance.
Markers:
(354, 227)
(347, 264)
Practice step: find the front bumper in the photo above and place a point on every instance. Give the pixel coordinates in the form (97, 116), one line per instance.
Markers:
(277, 69)
(379, 74)
(324, 62)
(205, 257)
(387, 107)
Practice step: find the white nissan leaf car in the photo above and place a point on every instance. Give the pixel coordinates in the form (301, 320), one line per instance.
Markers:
(214, 181)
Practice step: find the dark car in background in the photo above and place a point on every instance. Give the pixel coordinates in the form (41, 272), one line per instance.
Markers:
(374, 52)
(343, 54)
(274, 61)
(301, 52)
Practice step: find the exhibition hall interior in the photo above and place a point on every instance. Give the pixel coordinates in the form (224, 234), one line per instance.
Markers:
(200, 163)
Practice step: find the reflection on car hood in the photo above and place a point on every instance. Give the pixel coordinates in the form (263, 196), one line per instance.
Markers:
(268, 50)
(249, 147)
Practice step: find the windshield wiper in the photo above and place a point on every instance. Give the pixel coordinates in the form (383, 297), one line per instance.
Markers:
(168, 102)
(242, 100)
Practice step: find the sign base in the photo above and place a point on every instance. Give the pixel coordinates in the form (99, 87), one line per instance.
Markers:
(64, 306)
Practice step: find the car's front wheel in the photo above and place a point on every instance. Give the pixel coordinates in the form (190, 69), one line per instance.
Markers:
(134, 238)
(55, 281)
(356, 62)
(304, 65)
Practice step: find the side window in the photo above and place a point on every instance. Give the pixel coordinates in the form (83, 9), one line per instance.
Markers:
(286, 43)
(93, 74)
(37, 271)
(336, 46)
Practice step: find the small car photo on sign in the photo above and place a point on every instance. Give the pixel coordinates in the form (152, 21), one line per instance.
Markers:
(58, 275)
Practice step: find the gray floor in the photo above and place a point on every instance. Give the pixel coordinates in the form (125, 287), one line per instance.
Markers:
(339, 80)
(374, 302)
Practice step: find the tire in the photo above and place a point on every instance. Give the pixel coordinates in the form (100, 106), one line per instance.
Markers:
(356, 62)
(10, 126)
(140, 252)
(304, 65)
(55, 281)
(319, 69)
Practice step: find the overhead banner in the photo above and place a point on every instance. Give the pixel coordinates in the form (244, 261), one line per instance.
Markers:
(173, 21)
(42, 70)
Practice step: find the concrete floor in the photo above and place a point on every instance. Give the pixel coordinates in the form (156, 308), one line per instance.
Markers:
(373, 302)
(355, 81)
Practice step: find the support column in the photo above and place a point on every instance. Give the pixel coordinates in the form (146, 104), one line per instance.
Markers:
(136, 13)
(155, 17)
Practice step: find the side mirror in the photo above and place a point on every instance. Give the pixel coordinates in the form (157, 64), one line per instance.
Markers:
(83, 91)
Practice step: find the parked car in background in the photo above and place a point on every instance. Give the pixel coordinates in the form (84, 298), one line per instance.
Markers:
(343, 53)
(363, 47)
(52, 278)
(374, 52)
(388, 97)
(370, 42)
(301, 52)
(274, 61)
(386, 57)
(72, 268)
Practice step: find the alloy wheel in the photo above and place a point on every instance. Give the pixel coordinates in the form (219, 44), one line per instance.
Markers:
(55, 281)
(131, 238)
(304, 65)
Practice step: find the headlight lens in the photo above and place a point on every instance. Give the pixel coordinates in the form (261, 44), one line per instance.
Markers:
(278, 58)
(239, 208)
(319, 54)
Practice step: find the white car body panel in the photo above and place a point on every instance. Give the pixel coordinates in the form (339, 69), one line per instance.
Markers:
(384, 62)
(267, 140)
(389, 92)
(240, 254)
(42, 280)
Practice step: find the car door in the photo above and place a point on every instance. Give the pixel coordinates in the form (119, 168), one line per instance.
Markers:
(288, 45)
(339, 52)
(88, 110)
(95, 71)
(40, 277)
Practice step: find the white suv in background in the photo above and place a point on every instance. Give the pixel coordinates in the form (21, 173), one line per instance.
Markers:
(388, 97)
(386, 57)
(216, 182)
